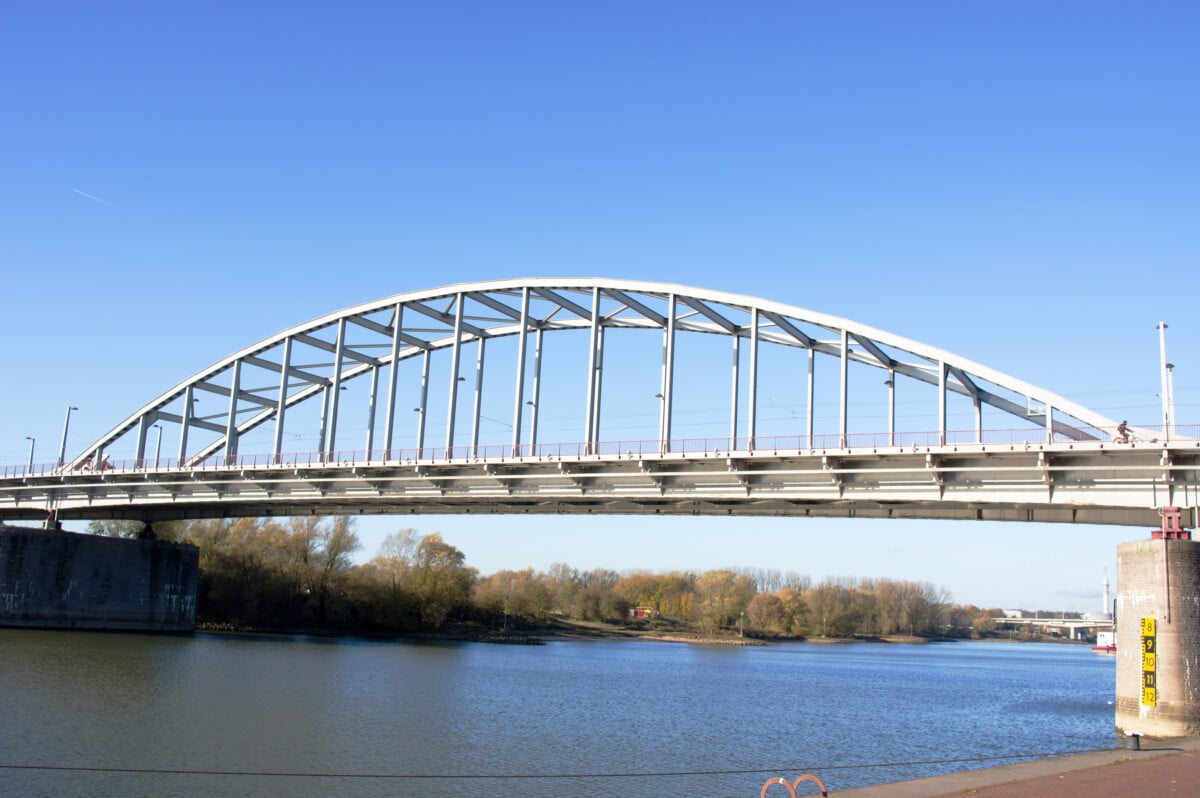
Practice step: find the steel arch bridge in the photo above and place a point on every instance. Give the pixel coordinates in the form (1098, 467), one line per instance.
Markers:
(1039, 456)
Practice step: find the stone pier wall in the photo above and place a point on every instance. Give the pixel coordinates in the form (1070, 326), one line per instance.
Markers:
(1159, 579)
(64, 580)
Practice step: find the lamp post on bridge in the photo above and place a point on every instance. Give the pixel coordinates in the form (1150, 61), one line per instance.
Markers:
(1166, 379)
(890, 382)
(532, 427)
(420, 411)
(62, 450)
(663, 445)
(158, 445)
(32, 441)
(1170, 397)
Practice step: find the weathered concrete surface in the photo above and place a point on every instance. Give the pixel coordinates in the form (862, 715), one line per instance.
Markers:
(1159, 579)
(64, 580)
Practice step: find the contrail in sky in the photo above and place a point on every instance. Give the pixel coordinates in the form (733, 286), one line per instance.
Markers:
(89, 196)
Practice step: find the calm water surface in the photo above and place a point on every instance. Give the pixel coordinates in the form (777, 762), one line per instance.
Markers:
(478, 719)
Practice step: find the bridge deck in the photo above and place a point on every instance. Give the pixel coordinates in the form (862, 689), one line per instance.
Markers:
(1079, 482)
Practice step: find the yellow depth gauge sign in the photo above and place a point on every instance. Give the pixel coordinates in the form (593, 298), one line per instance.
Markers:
(1149, 662)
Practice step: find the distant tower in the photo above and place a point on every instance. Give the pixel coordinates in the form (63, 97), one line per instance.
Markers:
(1107, 600)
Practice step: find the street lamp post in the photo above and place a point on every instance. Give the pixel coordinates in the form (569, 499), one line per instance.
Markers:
(420, 411)
(532, 427)
(62, 450)
(32, 441)
(1165, 396)
(158, 445)
(1170, 398)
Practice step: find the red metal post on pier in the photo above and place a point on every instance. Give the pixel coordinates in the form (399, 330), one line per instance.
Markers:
(1172, 526)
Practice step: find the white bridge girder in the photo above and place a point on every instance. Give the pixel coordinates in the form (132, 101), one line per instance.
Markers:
(1091, 482)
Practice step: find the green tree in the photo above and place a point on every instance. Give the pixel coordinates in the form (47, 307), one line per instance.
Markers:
(262, 572)
(864, 608)
(890, 606)
(116, 528)
(958, 620)
(329, 561)
(795, 611)
(721, 597)
(924, 606)
(638, 589)
(170, 531)
(587, 595)
(984, 624)
(383, 586)
(564, 584)
(227, 586)
(440, 580)
(519, 595)
(832, 609)
(676, 595)
(766, 611)
(400, 547)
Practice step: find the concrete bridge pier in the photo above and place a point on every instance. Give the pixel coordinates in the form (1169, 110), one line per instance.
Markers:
(1158, 635)
(63, 580)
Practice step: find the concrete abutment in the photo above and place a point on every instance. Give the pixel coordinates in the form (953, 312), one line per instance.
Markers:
(1158, 638)
(64, 580)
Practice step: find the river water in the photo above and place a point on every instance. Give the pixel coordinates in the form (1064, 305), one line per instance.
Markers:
(99, 714)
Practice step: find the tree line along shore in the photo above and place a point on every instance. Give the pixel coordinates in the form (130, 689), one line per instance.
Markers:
(297, 574)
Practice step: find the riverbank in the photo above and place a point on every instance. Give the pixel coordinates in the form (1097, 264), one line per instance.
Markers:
(566, 629)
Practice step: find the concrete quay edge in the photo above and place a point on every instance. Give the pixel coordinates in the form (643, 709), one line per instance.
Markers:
(1034, 777)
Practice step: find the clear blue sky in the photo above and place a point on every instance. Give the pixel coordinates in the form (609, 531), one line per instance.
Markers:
(1015, 182)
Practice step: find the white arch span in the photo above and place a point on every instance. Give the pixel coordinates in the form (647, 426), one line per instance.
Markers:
(311, 361)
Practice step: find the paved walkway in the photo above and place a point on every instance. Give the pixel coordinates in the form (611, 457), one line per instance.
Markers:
(1161, 767)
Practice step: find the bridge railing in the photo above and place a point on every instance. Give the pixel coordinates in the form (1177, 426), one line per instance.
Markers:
(714, 447)
(26, 470)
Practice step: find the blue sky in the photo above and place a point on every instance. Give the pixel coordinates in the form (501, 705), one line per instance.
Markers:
(1014, 182)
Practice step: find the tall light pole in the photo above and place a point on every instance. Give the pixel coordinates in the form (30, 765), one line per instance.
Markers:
(32, 441)
(1166, 406)
(62, 450)
(158, 445)
(532, 427)
(1171, 394)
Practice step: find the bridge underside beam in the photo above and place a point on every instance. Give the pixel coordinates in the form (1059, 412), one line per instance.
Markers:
(604, 506)
(1055, 484)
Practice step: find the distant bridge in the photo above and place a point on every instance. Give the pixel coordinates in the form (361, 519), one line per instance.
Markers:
(1072, 628)
(603, 354)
